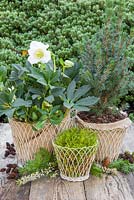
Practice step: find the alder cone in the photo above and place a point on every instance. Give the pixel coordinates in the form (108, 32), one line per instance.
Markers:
(2, 169)
(106, 162)
(8, 170)
(6, 153)
(12, 165)
(12, 175)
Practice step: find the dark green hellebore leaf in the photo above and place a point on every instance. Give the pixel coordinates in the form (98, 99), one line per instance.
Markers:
(50, 98)
(81, 92)
(88, 101)
(81, 108)
(39, 125)
(58, 91)
(68, 105)
(8, 112)
(21, 102)
(71, 90)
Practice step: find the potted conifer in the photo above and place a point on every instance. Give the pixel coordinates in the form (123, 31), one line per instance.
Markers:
(106, 70)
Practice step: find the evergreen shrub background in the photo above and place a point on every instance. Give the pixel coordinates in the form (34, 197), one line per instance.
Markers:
(61, 23)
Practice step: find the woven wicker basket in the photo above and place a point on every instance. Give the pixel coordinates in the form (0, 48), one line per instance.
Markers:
(28, 142)
(75, 163)
(110, 137)
(67, 122)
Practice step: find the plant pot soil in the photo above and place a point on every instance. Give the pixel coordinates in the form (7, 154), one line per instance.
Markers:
(110, 134)
(107, 118)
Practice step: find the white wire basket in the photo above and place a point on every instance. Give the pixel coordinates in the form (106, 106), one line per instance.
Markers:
(75, 163)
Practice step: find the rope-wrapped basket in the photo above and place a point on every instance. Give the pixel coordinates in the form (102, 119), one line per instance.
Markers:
(110, 136)
(28, 142)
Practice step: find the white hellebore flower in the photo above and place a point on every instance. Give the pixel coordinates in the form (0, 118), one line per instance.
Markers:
(68, 64)
(38, 53)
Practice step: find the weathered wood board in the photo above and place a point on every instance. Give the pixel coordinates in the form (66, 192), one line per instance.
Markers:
(130, 179)
(120, 187)
(108, 188)
(12, 192)
(56, 189)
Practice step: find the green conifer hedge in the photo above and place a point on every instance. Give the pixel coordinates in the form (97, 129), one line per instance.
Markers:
(62, 24)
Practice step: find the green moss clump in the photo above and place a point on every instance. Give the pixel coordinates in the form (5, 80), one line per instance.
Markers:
(40, 162)
(123, 166)
(96, 170)
(131, 116)
(75, 149)
(77, 138)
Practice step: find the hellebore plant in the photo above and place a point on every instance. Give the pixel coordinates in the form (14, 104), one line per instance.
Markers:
(40, 92)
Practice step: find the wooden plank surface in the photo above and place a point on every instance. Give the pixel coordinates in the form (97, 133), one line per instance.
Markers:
(120, 187)
(108, 188)
(130, 180)
(56, 189)
(8, 192)
(23, 192)
(12, 192)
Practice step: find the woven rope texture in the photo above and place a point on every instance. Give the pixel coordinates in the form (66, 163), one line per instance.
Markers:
(110, 137)
(28, 142)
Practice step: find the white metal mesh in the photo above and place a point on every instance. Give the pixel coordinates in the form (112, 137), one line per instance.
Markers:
(75, 163)
(110, 137)
(28, 142)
